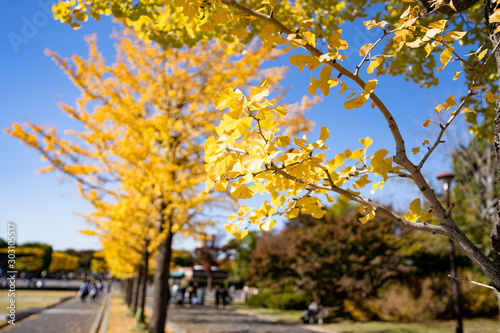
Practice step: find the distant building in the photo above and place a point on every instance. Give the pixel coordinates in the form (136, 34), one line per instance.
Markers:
(198, 274)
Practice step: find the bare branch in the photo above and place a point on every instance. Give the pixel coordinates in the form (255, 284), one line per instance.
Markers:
(456, 112)
(237, 150)
(473, 282)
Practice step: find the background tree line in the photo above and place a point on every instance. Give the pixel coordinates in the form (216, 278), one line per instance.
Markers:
(377, 271)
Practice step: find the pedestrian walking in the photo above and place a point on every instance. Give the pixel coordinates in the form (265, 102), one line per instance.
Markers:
(202, 297)
(100, 287)
(93, 292)
(175, 290)
(180, 296)
(217, 296)
(224, 297)
(84, 291)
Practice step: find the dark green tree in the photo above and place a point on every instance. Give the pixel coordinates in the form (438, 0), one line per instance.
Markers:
(182, 258)
(476, 190)
(47, 256)
(241, 258)
(332, 257)
(3, 243)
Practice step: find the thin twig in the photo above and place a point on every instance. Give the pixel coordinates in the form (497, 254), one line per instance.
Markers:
(473, 282)
(456, 112)
(370, 50)
(237, 150)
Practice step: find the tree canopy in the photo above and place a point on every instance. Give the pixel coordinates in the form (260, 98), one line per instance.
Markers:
(250, 155)
(137, 152)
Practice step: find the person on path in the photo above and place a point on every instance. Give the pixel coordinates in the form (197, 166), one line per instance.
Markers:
(100, 287)
(175, 290)
(180, 296)
(202, 297)
(224, 297)
(84, 291)
(217, 296)
(93, 292)
(194, 296)
(313, 312)
(190, 294)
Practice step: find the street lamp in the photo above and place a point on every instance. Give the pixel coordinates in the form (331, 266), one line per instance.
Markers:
(446, 178)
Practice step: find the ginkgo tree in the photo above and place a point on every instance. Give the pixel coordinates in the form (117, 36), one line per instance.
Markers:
(127, 223)
(250, 155)
(138, 158)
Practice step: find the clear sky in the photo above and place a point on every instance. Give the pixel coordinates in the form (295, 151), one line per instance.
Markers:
(44, 206)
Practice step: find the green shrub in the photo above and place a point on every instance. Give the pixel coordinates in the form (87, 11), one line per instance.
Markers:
(428, 299)
(477, 301)
(399, 304)
(257, 301)
(282, 301)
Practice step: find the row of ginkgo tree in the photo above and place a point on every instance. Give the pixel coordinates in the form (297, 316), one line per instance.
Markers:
(137, 151)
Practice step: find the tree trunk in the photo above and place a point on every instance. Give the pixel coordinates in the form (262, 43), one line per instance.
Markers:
(135, 292)
(498, 298)
(209, 281)
(161, 276)
(455, 287)
(128, 293)
(143, 282)
(489, 7)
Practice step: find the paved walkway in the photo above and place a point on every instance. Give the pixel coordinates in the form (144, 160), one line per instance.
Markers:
(72, 316)
(210, 320)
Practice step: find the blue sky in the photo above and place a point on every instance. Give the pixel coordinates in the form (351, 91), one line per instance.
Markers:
(43, 206)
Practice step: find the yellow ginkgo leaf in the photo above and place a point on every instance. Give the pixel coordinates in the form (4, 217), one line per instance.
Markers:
(242, 234)
(325, 134)
(268, 225)
(450, 101)
(293, 213)
(490, 97)
(416, 212)
(306, 23)
(366, 142)
(467, 110)
(231, 228)
(495, 17)
(88, 232)
(343, 88)
(365, 49)
(374, 64)
(241, 192)
(310, 37)
(370, 216)
(446, 55)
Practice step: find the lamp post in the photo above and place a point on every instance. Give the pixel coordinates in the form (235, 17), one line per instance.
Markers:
(446, 178)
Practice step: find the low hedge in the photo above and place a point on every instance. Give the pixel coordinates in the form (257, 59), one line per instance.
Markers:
(282, 301)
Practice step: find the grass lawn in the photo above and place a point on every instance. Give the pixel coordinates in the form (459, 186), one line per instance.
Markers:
(292, 316)
(32, 299)
(470, 325)
(40, 293)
